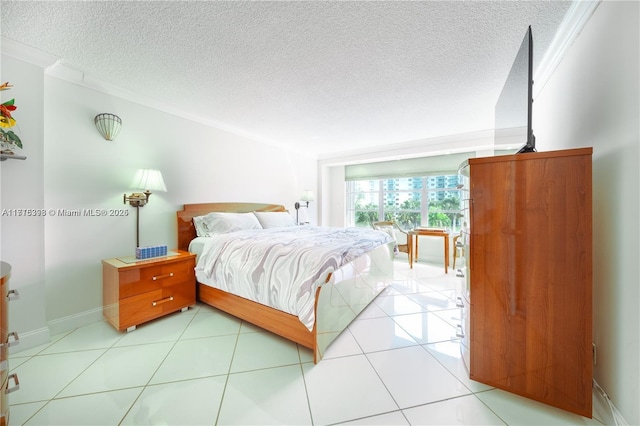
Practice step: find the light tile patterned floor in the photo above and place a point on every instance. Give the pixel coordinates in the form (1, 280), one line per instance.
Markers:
(397, 364)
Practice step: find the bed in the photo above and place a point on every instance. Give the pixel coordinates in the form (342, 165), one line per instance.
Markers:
(342, 295)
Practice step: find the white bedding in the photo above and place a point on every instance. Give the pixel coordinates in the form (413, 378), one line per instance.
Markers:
(197, 245)
(281, 267)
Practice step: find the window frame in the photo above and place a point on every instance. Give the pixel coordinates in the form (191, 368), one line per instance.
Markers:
(384, 213)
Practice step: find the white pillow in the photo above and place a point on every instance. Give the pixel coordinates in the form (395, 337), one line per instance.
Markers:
(222, 223)
(198, 223)
(275, 219)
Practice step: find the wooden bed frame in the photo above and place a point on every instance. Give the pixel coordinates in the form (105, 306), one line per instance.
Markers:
(346, 293)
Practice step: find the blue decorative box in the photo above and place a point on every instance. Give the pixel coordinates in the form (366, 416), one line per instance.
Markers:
(150, 251)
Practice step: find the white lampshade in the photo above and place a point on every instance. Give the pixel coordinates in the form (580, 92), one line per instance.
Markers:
(148, 179)
(307, 195)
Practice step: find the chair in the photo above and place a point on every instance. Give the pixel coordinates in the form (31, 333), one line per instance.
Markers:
(398, 234)
(458, 249)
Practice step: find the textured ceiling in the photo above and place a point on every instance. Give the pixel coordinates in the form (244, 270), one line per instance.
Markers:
(323, 77)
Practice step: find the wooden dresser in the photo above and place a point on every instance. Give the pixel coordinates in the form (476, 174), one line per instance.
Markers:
(136, 291)
(530, 276)
(7, 339)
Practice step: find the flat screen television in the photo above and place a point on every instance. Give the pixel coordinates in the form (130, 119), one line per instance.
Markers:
(515, 104)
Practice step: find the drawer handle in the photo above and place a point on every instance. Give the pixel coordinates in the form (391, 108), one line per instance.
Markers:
(459, 331)
(161, 301)
(13, 295)
(459, 302)
(13, 376)
(15, 340)
(160, 277)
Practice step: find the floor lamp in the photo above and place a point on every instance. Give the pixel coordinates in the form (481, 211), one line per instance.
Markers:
(148, 180)
(307, 195)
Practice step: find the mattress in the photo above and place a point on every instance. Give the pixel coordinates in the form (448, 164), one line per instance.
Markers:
(197, 245)
(281, 267)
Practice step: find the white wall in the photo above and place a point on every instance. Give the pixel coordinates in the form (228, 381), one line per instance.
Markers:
(72, 167)
(334, 196)
(592, 100)
(22, 241)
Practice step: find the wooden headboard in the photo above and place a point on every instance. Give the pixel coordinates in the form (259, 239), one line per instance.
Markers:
(186, 230)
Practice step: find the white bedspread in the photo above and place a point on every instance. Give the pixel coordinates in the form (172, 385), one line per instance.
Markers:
(282, 267)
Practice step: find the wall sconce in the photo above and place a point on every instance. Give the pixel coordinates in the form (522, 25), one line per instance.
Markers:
(148, 180)
(307, 195)
(108, 125)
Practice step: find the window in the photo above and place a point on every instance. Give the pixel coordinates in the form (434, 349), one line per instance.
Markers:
(411, 201)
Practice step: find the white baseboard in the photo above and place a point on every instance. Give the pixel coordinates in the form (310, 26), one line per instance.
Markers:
(65, 324)
(42, 336)
(31, 339)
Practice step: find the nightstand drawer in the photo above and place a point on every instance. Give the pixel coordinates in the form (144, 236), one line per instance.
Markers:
(144, 279)
(137, 292)
(153, 304)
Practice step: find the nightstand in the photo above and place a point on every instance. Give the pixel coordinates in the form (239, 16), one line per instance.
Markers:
(135, 291)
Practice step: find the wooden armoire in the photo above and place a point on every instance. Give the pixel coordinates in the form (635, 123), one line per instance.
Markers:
(529, 271)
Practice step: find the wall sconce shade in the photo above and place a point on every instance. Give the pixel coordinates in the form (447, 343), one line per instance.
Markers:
(108, 125)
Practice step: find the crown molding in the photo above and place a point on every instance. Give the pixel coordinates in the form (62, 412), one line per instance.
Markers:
(451, 144)
(56, 67)
(74, 75)
(574, 21)
(26, 53)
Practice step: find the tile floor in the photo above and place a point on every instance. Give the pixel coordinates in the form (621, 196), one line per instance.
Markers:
(397, 364)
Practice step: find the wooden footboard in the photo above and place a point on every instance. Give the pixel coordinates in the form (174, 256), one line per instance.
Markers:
(346, 294)
(278, 322)
(348, 291)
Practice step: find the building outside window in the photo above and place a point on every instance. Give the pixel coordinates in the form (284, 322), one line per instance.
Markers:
(413, 201)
